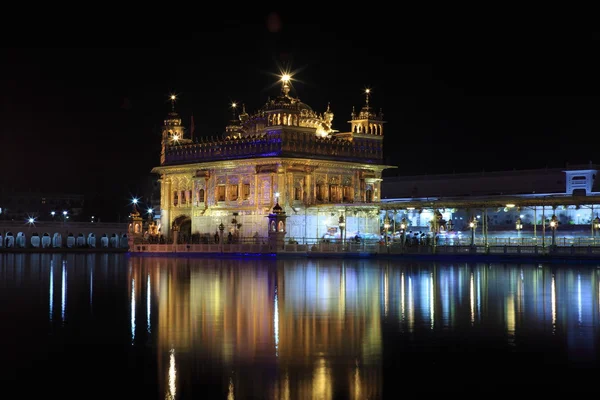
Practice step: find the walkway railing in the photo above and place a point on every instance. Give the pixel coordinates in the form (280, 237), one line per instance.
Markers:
(314, 246)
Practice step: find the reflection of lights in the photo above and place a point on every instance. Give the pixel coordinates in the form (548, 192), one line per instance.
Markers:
(172, 376)
(385, 293)
(579, 297)
(64, 291)
(510, 315)
(357, 383)
(411, 311)
(472, 297)
(402, 295)
(276, 323)
(148, 304)
(132, 310)
(51, 288)
(431, 300)
(230, 395)
(322, 381)
(91, 284)
(553, 296)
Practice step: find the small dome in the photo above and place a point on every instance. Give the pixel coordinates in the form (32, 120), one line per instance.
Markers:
(277, 209)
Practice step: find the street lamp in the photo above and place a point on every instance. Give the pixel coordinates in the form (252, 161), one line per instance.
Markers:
(473, 226)
(386, 226)
(53, 213)
(221, 229)
(342, 225)
(553, 226)
(518, 226)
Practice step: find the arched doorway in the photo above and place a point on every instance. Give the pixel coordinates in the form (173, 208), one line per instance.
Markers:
(183, 225)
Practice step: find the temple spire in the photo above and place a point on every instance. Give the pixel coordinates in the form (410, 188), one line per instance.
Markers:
(233, 107)
(367, 95)
(173, 98)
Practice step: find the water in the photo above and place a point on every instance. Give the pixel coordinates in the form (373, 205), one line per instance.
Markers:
(113, 326)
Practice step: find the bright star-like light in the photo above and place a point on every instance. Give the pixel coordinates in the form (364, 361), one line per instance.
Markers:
(134, 201)
(367, 91)
(150, 211)
(233, 105)
(53, 213)
(173, 97)
(286, 77)
(31, 220)
(65, 213)
(175, 137)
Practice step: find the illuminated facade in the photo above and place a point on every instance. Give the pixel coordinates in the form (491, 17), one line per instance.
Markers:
(284, 153)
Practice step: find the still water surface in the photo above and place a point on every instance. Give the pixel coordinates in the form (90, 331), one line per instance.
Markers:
(114, 326)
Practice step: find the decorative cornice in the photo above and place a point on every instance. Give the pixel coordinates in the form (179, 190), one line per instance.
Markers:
(252, 162)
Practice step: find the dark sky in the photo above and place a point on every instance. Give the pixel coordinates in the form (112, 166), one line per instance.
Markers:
(82, 112)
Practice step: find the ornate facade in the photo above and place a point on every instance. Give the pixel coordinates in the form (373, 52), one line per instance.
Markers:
(284, 153)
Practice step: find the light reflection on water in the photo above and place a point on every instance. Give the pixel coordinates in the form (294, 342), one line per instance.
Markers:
(295, 329)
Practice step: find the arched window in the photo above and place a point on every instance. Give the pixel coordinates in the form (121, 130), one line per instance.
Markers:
(273, 226)
(369, 195)
(201, 195)
(281, 226)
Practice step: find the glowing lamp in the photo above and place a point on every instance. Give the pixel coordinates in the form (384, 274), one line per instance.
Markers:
(149, 211)
(367, 91)
(173, 97)
(31, 220)
(134, 201)
(386, 223)
(596, 223)
(175, 137)
(65, 213)
(53, 213)
(518, 224)
(233, 105)
(554, 222)
(510, 205)
(286, 78)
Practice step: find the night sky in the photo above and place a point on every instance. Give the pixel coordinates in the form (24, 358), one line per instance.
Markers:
(83, 115)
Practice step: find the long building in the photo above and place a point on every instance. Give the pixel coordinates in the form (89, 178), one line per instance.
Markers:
(525, 203)
(285, 153)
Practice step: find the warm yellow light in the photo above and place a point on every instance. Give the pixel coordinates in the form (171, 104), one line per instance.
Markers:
(233, 105)
(173, 97)
(175, 137)
(471, 225)
(367, 91)
(552, 223)
(510, 205)
(286, 77)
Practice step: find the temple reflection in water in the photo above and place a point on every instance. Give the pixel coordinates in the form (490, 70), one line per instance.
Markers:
(316, 329)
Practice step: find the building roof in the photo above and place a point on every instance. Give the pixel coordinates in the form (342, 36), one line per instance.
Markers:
(517, 182)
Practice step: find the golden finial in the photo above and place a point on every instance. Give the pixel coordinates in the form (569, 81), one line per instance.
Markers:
(367, 95)
(233, 107)
(328, 106)
(173, 98)
(285, 80)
